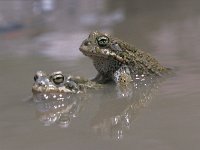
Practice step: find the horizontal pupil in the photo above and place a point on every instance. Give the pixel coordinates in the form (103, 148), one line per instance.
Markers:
(59, 78)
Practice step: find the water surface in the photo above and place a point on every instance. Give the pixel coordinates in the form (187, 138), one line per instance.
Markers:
(169, 121)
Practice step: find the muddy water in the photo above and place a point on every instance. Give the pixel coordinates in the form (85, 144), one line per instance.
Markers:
(167, 120)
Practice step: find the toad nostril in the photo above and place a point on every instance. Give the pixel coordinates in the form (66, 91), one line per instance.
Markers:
(41, 83)
(87, 43)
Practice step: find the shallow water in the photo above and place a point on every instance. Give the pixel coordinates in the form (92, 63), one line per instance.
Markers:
(168, 121)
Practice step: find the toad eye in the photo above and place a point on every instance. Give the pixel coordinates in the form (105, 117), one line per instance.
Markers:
(58, 79)
(102, 41)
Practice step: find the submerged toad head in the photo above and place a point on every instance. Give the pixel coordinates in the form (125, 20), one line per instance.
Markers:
(54, 82)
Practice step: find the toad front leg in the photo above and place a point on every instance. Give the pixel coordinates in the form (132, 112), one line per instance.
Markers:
(122, 76)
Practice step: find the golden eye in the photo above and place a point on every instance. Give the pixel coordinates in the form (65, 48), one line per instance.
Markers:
(58, 79)
(102, 41)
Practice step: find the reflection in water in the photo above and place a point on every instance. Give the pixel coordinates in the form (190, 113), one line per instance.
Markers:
(57, 108)
(116, 112)
(169, 29)
(115, 117)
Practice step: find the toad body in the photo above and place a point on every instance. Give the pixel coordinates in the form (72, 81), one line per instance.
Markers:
(57, 82)
(117, 60)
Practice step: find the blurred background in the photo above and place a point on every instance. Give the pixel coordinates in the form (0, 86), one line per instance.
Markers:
(60, 26)
(46, 35)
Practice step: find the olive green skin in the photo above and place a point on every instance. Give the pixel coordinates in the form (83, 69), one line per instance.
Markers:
(119, 61)
(57, 82)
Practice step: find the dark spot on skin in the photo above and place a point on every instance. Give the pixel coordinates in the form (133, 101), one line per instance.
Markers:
(35, 78)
